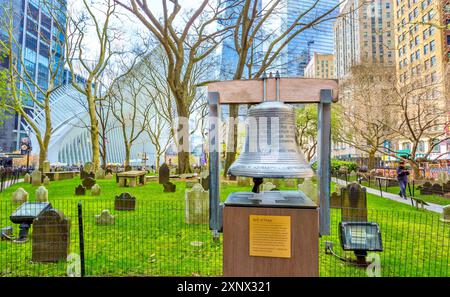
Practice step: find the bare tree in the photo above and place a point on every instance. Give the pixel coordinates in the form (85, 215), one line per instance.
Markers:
(187, 38)
(131, 110)
(249, 34)
(27, 93)
(365, 108)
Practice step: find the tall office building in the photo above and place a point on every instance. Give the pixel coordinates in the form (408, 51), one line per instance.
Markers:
(36, 35)
(318, 38)
(363, 33)
(320, 66)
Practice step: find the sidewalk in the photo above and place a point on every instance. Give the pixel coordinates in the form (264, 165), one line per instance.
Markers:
(9, 185)
(431, 207)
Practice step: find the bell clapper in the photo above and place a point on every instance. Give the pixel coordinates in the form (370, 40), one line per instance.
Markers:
(257, 181)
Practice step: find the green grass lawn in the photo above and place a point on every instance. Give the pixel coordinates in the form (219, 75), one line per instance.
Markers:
(396, 189)
(155, 240)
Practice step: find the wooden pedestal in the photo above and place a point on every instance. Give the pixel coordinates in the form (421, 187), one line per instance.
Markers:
(304, 260)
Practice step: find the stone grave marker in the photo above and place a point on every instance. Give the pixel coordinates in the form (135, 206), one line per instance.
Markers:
(243, 181)
(109, 176)
(268, 186)
(169, 187)
(41, 194)
(46, 166)
(88, 167)
(100, 174)
(204, 180)
(95, 190)
(105, 218)
(197, 205)
(125, 201)
(164, 174)
(354, 203)
(353, 174)
(309, 189)
(46, 181)
(80, 190)
(19, 196)
(36, 178)
(191, 184)
(335, 200)
(88, 182)
(446, 187)
(51, 233)
(446, 214)
(27, 178)
(425, 189)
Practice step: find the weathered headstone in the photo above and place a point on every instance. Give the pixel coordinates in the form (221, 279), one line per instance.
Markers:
(46, 181)
(36, 178)
(19, 196)
(27, 178)
(125, 201)
(446, 214)
(88, 182)
(88, 167)
(446, 187)
(105, 218)
(291, 183)
(309, 189)
(425, 189)
(353, 175)
(268, 186)
(191, 184)
(335, 200)
(164, 174)
(46, 166)
(41, 194)
(197, 205)
(243, 181)
(100, 174)
(204, 180)
(343, 169)
(354, 203)
(95, 190)
(80, 190)
(169, 187)
(51, 233)
(109, 176)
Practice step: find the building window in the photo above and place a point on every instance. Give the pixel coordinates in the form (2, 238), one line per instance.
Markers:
(425, 49)
(421, 146)
(433, 61)
(432, 45)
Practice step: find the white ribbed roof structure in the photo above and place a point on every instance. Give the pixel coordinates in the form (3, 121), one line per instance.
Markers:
(70, 141)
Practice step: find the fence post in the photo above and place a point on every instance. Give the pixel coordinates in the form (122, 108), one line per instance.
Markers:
(81, 234)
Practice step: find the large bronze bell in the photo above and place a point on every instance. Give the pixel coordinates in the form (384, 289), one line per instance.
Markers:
(271, 149)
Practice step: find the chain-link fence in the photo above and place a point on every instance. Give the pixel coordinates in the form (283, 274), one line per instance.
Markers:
(170, 238)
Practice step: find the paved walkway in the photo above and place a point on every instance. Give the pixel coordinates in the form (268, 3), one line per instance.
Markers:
(7, 185)
(431, 207)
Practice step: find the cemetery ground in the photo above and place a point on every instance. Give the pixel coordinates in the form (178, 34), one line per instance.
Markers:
(155, 240)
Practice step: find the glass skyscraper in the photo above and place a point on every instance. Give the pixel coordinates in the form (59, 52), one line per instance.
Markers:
(319, 38)
(38, 40)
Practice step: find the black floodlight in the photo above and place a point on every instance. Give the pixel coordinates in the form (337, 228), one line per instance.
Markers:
(25, 215)
(360, 236)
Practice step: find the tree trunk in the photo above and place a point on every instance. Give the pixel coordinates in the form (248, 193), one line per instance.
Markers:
(371, 162)
(415, 168)
(42, 157)
(184, 165)
(127, 155)
(104, 152)
(232, 138)
(95, 143)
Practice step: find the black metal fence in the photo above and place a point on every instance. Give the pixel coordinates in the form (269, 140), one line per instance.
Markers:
(156, 240)
(9, 177)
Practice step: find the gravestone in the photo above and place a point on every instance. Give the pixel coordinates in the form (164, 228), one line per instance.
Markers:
(80, 190)
(353, 174)
(125, 201)
(105, 218)
(100, 174)
(46, 181)
(46, 166)
(36, 178)
(191, 184)
(109, 176)
(108, 171)
(343, 170)
(169, 187)
(27, 178)
(437, 189)
(88, 182)
(95, 190)
(425, 189)
(164, 174)
(204, 180)
(268, 186)
(51, 233)
(19, 196)
(446, 187)
(88, 167)
(309, 189)
(354, 203)
(335, 200)
(446, 214)
(243, 181)
(291, 183)
(41, 194)
(197, 205)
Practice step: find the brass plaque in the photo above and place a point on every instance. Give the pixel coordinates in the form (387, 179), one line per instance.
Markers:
(270, 236)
